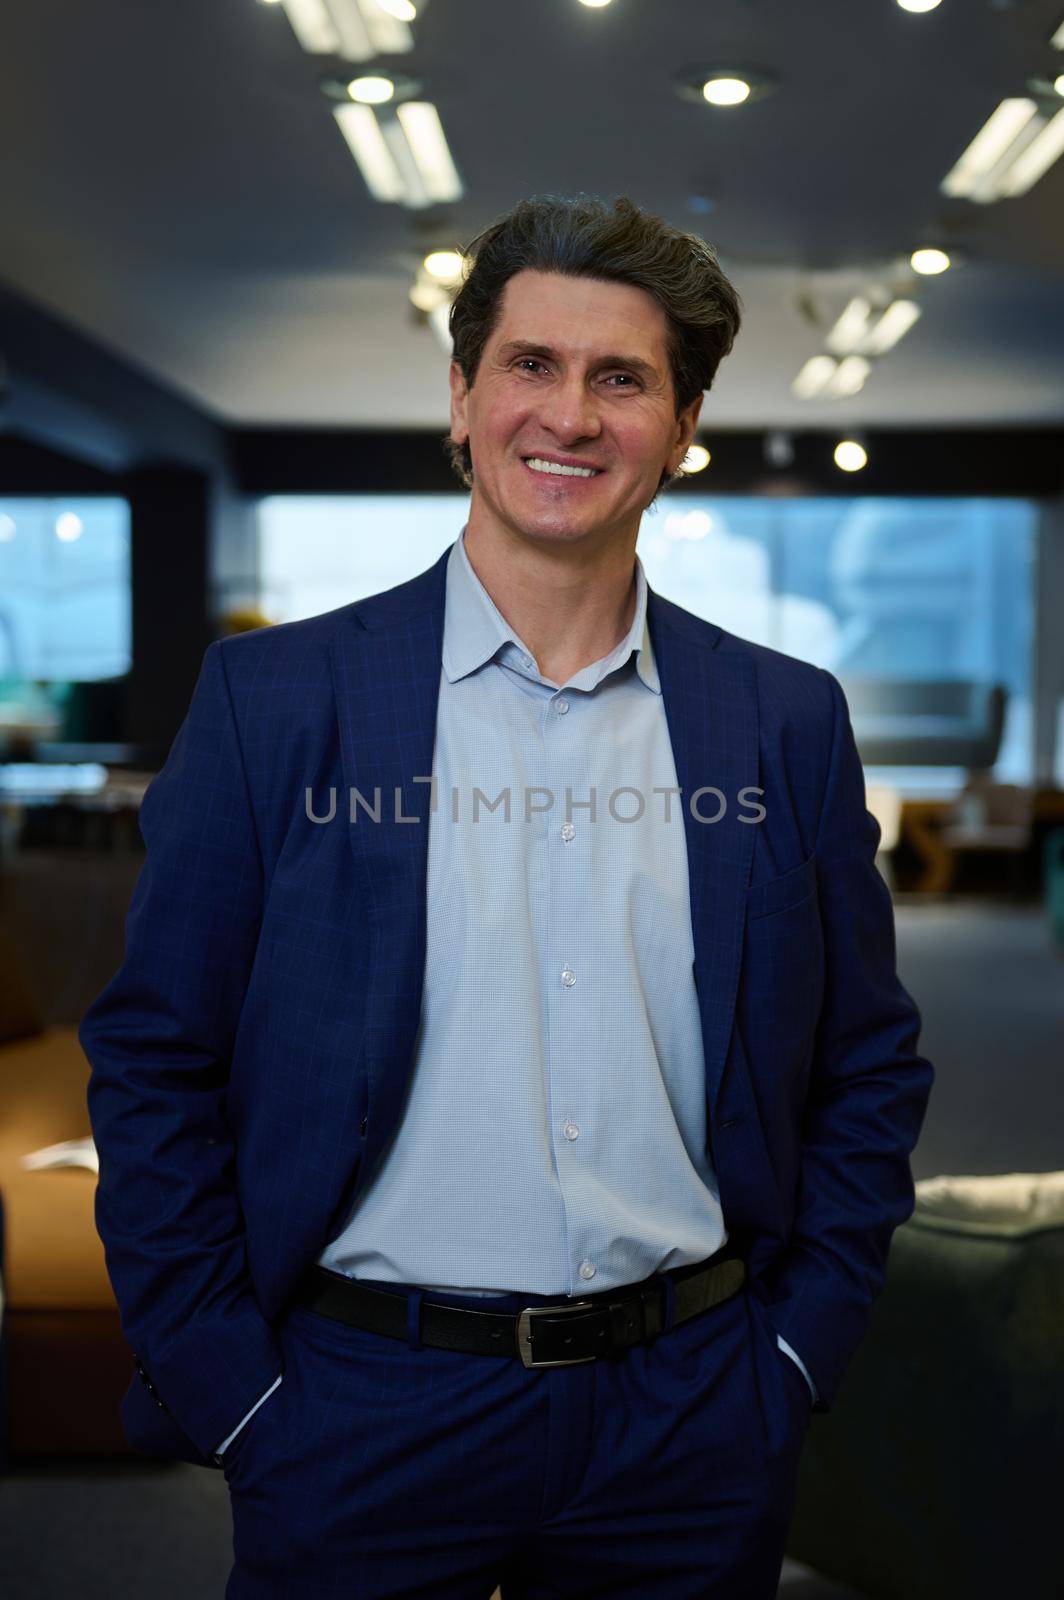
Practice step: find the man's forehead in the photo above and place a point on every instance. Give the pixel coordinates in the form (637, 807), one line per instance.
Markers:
(580, 317)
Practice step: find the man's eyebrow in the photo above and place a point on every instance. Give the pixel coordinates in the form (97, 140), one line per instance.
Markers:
(529, 347)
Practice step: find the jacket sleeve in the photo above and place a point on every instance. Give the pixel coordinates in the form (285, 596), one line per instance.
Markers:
(159, 1040)
(867, 1095)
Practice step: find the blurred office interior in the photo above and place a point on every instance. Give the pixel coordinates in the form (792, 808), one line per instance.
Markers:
(227, 238)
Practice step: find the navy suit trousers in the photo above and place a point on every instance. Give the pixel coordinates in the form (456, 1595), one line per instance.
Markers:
(380, 1468)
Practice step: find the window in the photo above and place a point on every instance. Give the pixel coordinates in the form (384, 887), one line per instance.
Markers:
(879, 591)
(65, 612)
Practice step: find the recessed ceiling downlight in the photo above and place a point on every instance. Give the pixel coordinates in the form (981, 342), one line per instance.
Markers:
(723, 83)
(371, 91)
(726, 91)
(850, 456)
(929, 262)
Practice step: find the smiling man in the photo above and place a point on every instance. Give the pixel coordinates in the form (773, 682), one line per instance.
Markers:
(494, 1192)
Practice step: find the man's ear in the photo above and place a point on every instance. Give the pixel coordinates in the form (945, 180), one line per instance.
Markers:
(686, 424)
(459, 395)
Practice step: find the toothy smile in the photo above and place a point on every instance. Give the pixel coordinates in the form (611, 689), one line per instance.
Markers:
(557, 470)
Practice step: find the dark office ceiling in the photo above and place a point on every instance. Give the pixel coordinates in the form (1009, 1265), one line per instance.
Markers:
(172, 182)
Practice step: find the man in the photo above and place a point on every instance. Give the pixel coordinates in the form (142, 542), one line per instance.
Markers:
(603, 1018)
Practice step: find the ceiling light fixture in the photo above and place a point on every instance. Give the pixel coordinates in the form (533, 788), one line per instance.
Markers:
(851, 328)
(850, 456)
(1035, 159)
(726, 91)
(426, 295)
(849, 377)
(893, 325)
(919, 5)
(697, 459)
(594, 5)
(421, 125)
(357, 30)
(929, 262)
(984, 172)
(724, 84)
(1057, 40)
(371, 91)
(402, 10)
(814, 377)
(399, 144)
(366, 142)
(1058, 84)
(444, 265)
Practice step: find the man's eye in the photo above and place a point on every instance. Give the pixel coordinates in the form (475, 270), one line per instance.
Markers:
(529, 361)
(626, 376)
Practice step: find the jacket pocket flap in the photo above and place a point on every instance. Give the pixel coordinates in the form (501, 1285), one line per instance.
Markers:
(782, 892)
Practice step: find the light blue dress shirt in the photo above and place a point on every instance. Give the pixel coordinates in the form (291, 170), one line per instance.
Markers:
(554, 1135)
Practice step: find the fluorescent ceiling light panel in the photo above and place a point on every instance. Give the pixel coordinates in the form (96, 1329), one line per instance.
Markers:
(401, 153)
(388, 35)
(991, 147)
(358, 30)
(420, 121)
(1036, 158)
(362, 131)
(415, 190)
(313, 26)
(849, 377)
(893, 325)
(814, 376)
(851, 327)
(1057, 40)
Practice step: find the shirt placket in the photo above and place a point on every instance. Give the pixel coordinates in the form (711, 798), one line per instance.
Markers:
(567, 974)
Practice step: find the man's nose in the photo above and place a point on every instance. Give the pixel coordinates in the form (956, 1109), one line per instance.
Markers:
(570, 412)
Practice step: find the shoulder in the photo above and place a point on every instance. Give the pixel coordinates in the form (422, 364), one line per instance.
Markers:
(291, 653)
(787, 687)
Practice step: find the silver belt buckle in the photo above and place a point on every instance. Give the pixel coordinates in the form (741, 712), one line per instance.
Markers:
(524, 1334)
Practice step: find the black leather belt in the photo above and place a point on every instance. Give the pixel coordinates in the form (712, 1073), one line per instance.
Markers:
(549, 1335)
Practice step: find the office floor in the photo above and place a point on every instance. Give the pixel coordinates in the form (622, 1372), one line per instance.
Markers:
(990, 986)
(991, 989)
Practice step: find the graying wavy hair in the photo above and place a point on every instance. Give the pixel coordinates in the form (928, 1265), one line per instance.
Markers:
(581, 236)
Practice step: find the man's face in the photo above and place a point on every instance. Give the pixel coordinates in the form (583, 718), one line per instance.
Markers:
(576, 373)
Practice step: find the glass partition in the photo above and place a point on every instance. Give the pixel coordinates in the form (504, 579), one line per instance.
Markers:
(931, 595)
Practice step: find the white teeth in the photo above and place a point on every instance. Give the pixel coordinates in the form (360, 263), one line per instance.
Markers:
(559, 471)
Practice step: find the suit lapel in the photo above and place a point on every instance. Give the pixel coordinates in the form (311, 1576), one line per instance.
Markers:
(711, 709)
(386, 673)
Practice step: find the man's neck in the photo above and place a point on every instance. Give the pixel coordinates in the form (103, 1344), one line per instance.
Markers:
(570, 606)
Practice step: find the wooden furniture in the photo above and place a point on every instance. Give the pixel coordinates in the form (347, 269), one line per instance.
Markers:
(67, 1363)
(920, 823)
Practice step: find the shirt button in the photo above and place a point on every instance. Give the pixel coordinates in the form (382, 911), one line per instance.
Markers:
(571, 1130)
(587, 1269)
(568, 977)
(529, 662)
(561, 707)
(568, 831)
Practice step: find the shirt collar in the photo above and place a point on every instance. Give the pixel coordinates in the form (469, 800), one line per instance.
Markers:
(475, 630)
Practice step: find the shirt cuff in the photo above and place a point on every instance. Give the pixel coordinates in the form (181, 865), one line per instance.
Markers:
(251, 1413)
(799, 1363)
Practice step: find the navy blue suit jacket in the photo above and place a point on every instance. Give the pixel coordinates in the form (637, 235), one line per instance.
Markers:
(250, 1057)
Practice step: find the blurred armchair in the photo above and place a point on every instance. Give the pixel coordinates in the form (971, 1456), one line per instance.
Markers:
(947, 722)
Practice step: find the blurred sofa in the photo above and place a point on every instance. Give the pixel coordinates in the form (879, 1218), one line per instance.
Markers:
(938, 1471)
